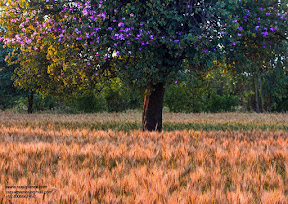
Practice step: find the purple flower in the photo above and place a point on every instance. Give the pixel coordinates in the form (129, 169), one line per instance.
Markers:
(239, 34)
(264, 33)
(233, 43)
(176, 40)
(77, 31)
(240, 28)
(121, 24)
(121, 37)
(85, 12)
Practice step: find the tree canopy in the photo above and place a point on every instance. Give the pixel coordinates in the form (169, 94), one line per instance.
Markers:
(78, 42)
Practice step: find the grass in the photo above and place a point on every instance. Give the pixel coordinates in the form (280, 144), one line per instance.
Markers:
(80, 163)
(131, 121)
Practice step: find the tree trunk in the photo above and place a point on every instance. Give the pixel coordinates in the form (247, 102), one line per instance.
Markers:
(256, 96)
(262, 96)
(152, 108)
(30, 102)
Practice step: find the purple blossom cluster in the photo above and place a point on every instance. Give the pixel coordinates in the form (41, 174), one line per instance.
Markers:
(80, 23)
(260, 24)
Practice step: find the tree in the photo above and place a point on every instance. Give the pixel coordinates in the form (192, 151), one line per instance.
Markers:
(7, 91)
(257, 53)
(211, 90)
(85, 43)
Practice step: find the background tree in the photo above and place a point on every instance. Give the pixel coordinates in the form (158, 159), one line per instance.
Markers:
(211, 90)
(8, 93)
(261, 44)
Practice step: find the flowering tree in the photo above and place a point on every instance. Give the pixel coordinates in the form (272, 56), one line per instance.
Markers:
(262, 43)
(80, 44)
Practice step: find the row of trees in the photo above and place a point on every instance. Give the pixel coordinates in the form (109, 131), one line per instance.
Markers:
(62, 46)
(213, 90)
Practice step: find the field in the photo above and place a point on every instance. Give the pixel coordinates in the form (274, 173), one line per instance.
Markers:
(105, 158)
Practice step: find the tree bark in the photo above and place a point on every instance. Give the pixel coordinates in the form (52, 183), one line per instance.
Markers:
(30, 102)
(152, 108)
(262, 95)
(256, 96)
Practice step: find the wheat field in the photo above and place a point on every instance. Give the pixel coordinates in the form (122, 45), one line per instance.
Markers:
(79, 163)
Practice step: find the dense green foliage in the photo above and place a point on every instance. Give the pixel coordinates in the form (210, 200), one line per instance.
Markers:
(115, 97)
(8, 93)
(212, 91)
